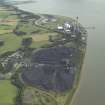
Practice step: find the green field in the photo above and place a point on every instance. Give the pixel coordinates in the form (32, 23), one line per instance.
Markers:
(7, 92)
(4, 14)
(12, 42)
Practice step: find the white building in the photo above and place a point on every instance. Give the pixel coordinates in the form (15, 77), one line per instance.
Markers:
(60, 28)
(73, 36)
(83, 38)
(67, 25)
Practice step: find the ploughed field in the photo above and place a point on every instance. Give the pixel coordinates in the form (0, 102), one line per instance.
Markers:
(52, 69)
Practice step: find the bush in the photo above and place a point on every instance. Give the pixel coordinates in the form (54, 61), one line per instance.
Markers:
(1, 68)
(6, 54)
(1, 42)
(26, 42)
(16, 81)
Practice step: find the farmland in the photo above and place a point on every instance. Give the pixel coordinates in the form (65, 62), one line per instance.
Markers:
(12, 26)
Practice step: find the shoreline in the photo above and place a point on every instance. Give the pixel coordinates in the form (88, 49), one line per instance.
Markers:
(78, 85)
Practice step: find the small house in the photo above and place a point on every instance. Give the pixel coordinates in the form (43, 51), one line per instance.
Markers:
(60, 27)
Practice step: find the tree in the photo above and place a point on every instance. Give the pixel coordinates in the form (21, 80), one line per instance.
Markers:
(50, 38)
(26, 42)
(1, 42)
(1, 68)
(8, 66)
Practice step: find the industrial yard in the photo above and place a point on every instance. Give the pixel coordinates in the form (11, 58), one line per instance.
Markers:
(41, 55)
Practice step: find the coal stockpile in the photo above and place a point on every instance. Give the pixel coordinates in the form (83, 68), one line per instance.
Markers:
(48, 77)
(48, 72)
(53, 55)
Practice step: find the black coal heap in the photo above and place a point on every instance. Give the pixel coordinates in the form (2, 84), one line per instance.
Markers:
(49, 71)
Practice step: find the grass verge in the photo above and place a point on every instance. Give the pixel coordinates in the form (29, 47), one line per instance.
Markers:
(7, 92)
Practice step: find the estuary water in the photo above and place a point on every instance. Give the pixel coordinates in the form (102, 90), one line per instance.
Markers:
(91, 90)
